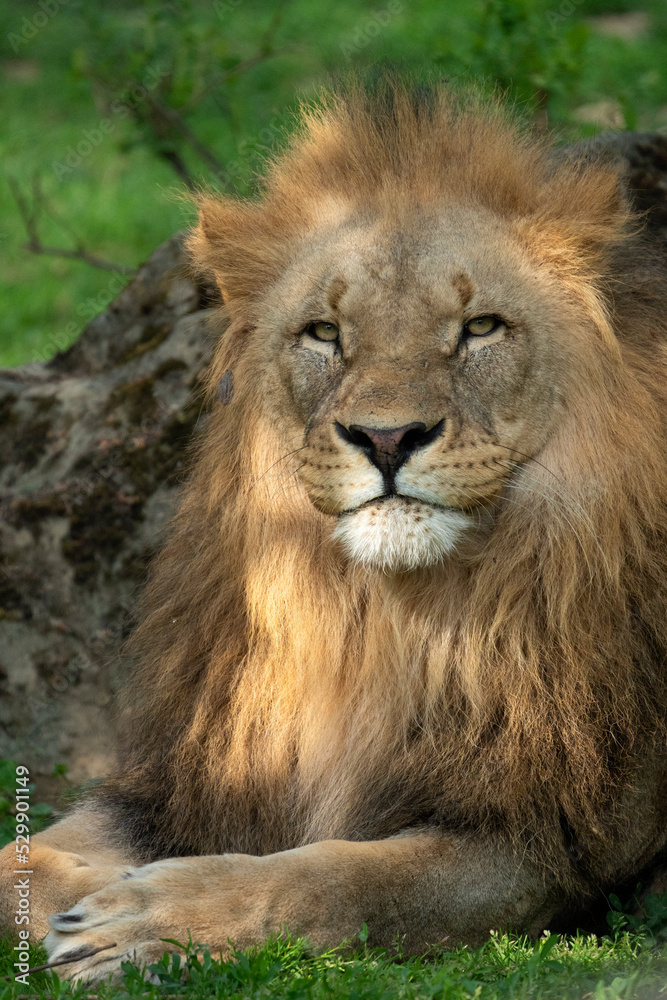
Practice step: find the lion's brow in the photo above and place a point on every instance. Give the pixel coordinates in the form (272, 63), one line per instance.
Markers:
(337, 289)
(464, 286)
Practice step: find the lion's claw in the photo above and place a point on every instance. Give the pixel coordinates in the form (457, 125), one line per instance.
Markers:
(123, 922)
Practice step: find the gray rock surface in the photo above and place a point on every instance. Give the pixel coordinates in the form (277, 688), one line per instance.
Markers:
(92, 448)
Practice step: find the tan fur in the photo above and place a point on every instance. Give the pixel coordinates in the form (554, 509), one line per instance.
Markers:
(507, 695)
(71, 859)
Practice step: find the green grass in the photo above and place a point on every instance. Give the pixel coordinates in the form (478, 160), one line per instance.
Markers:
(629, 963)
(118, 199)
(626, 966)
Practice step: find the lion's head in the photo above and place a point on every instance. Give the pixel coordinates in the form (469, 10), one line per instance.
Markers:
(416, 350)
(420, 566)
(418, 292)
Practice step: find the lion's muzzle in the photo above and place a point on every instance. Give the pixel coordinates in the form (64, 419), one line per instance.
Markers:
(388, 448)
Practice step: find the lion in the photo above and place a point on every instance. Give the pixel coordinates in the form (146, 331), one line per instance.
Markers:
(402, 658)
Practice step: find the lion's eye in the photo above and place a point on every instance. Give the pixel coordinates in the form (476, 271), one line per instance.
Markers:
(481, 325)
(323, 331)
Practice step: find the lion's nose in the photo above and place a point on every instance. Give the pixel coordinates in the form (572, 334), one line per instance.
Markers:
(388, 448)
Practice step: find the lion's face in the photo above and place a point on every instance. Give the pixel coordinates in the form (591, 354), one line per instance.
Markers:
(421, 364)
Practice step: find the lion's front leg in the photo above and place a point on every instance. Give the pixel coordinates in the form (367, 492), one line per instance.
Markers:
(420, 888)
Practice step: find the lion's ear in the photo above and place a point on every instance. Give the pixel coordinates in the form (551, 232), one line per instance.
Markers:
(591, 201)
(582, 214)
(238, 243)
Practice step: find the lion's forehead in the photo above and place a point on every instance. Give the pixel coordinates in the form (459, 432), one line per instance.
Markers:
(408, 275)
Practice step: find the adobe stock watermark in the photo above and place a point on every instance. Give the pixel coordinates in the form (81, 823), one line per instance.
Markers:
(23, 871)
(104, 473)
(366, 33)
(250, 150)
(225, 7)
(95, 304)
(566, 9)
(88, 310)
(221, 7)
(121, 108)
(31, 26)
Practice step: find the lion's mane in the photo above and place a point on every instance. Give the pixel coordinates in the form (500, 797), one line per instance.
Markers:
(284, 696)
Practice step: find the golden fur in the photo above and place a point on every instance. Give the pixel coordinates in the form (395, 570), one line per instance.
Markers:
(293, 696)
(507, 694)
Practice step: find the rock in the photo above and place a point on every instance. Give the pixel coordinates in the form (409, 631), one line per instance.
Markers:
(604, 114)
(92, 448)
(629, 26)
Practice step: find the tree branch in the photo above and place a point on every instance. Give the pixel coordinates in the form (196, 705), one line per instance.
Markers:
(222, 78)
(175, 160)
(30, 217)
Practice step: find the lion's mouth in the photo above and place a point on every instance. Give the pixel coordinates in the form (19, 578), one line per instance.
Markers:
(397, 533)
(399, 500)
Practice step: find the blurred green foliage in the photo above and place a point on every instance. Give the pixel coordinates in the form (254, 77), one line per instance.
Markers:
(110, 109)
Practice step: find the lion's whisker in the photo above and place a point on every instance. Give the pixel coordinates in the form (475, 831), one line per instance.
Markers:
(258, 480)
(529, 458)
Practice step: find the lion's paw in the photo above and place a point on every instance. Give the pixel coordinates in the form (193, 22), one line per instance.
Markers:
(120, 915)
(106, 965)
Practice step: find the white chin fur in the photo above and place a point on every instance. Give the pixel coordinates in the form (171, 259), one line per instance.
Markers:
(400, 534)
